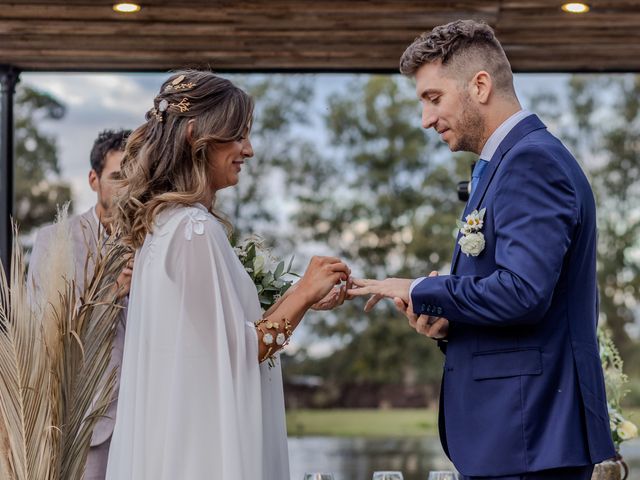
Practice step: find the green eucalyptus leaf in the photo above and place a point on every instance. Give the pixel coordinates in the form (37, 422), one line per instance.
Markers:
(268, 279)
(279, 270)
(258, 264)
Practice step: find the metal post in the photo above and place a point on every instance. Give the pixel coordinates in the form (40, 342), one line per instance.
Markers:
(9, 76)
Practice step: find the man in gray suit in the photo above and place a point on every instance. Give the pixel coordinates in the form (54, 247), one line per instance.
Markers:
(106, 156)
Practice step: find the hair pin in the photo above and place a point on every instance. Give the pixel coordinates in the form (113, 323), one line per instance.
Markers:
(177, 85)
(163, 106)
(184, 105)
(156, 114)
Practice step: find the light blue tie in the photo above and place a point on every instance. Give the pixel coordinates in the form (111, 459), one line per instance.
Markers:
(477, 173)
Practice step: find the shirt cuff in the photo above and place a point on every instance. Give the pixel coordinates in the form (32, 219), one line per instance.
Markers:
(414, 283)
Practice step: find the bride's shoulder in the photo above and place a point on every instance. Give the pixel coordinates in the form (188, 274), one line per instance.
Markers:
(188, 221)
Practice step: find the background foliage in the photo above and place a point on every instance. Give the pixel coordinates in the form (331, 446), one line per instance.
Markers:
(362, 180)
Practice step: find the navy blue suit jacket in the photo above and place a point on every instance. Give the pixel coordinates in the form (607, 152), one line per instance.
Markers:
(523, 388)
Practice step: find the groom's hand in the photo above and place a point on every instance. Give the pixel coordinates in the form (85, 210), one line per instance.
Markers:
(379, 289)
(432, 327)
(406, 310)
(438, 329)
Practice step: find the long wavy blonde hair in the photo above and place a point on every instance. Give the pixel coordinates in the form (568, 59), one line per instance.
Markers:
(162, 166)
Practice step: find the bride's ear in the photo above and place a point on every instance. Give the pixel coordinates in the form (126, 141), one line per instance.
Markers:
(190, 127)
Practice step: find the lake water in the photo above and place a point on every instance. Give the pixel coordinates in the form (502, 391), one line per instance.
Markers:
(358, 458)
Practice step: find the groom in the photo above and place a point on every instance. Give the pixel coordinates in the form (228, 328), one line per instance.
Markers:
(522, 391)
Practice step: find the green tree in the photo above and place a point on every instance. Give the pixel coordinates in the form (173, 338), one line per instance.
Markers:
(616, 183)
(385, 201)
(384, 198)
(38, 187)
(600, 121)
(281, 107)
(615, 175)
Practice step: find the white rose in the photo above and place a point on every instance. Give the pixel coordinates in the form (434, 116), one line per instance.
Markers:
(472, 244)
(627, 430)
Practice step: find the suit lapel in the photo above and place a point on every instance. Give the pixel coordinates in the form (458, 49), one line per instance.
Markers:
(517, 133)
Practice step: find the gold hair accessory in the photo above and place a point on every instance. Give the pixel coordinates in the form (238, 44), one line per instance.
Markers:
(163, 106)
(156, 114)
(184, 105)
(176, 85)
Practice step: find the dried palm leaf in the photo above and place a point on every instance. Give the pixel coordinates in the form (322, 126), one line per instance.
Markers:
(24, 380)
(54, 355)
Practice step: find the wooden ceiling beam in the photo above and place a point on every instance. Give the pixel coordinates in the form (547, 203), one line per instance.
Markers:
(339, 35)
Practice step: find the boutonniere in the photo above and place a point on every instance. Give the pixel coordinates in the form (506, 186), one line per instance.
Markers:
(472, 240)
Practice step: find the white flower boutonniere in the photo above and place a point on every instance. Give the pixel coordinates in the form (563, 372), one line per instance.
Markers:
(472, 240)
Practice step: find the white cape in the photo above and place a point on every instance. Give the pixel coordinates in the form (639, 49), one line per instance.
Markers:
(194, 402)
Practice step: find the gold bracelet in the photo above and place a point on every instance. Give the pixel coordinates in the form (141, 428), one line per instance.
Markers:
(267, 355)
(287, 328)
(281, 339)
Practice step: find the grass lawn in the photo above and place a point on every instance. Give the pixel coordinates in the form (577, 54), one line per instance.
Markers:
(376, 423)
(363, 423)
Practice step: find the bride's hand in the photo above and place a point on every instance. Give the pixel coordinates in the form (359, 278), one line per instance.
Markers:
(322, 274)
(334, 298)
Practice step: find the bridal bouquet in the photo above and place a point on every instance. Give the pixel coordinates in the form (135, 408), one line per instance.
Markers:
(265, 271)
(615, 381)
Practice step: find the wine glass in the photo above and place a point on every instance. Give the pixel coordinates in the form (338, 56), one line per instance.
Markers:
(387, 476)
(318, 476)
(444, 475)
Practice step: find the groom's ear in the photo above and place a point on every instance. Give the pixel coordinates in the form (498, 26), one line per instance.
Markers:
(481, 86)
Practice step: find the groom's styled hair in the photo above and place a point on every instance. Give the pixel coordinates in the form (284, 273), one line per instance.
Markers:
(464, 47)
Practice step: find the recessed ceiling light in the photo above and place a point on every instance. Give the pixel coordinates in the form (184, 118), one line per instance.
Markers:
(126, 7)
(575, 7)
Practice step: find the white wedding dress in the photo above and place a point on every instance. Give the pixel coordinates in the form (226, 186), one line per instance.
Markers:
(194, 402)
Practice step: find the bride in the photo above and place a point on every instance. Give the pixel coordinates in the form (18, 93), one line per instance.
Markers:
(198, 399)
